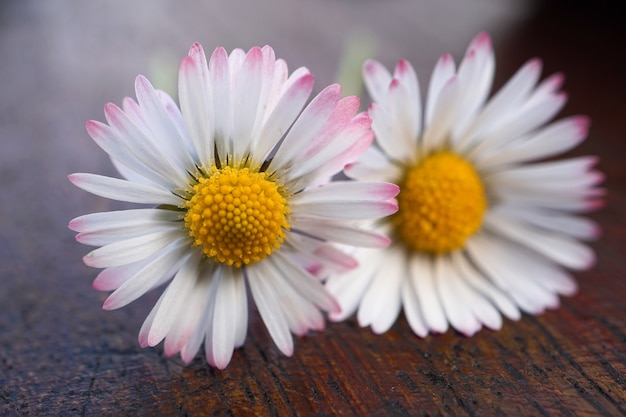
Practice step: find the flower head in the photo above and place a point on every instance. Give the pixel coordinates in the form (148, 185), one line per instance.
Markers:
(238, 177)
(486, 222)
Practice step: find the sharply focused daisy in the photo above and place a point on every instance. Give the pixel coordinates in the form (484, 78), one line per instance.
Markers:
(486, 223)
(238, 181)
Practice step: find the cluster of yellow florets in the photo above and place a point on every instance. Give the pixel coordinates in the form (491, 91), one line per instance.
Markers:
(236, 215)
(442, 203)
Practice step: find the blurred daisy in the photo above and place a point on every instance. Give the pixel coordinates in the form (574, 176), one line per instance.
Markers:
(239, 179)
(485, 222)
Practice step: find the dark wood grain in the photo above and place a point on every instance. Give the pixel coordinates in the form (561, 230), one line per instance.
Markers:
(60, 354)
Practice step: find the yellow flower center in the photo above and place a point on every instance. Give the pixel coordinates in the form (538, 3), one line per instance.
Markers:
(442, 202)
(237, 216)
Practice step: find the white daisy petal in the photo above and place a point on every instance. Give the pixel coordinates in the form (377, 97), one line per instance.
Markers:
(162, 129)
(303, 139)
(381, 303)
(347, 191)
(355, 131)
(563, 250)
(501, 106)
(455, 306)
(556, 138)
(304, 283)
(111, 142)
(552, 221)
(171, 302)
(265, 300)
(412, 310)
(226, 308)
(478, 282)
(350, 286)
(190, 331)
(195, 101)
(377, 79)
(131, 250)
(422, 275)
(388, 130)
(300, 314)
(406, 75)
(443, 72)
(245, 102)
(148, 277)
(283, 114)
(119, 219)
(477, 305)
(476, 74)
(348, 209)
(219, 78)
(121, 190)
(135, 139)
(505, 265)
(436, 134)
(339, 232)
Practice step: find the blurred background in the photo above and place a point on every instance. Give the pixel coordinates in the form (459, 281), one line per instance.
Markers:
(62, 60)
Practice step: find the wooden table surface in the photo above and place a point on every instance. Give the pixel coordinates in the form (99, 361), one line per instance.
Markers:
(60, 354)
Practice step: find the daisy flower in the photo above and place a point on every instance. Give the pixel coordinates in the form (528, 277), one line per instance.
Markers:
(238, 183)
(486, 222)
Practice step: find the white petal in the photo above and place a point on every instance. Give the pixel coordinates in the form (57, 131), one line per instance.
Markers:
(552, 221)
(163, 130)
(121, 190)
(174, 299)
(561, 249)
(120, 148)
(455, 306)
(269, 309)
(303, 138)
(437, 132)
(299, 311)
(423, 278)
(443, 72)
(152, 275)
(347, 191)
(137, 140)
(122, 218)
(110, 279)
(190, 332)
(226, 308)
(477, 281)
(219, 77)
(391, 134)
(353, 210)
(112, 234)
(524, 120)
(475, 303)
(412, 309)
(554, 139)
(382, 301)
(304, 283)
(349, 287)
(289, 105)
(245, 102)
(405, 73)
(377, 79)
(240, 318)
(503, 262)
(195, 102)
(131, 250)
(358, 129)
(476, 76)
(339, 232)
(505, 103)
